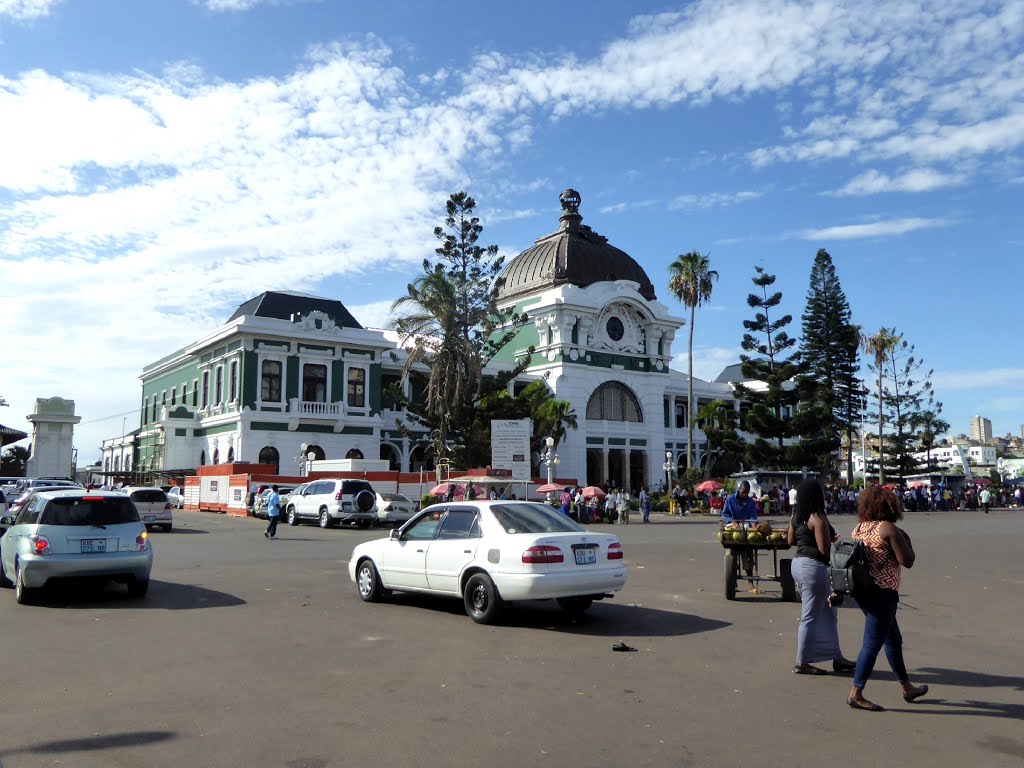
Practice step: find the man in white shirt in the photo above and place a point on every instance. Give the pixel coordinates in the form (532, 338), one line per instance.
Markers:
(792, 501)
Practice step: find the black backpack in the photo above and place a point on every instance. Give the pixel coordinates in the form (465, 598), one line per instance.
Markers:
(848, 569)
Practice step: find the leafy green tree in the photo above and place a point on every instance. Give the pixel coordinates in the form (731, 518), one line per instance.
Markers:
(691, 282)
(831, 387)
(14, 461)
(725, 447)
(930, 425)
(776, 366)
(449, 323)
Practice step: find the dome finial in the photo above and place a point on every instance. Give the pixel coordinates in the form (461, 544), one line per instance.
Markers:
(570, 200)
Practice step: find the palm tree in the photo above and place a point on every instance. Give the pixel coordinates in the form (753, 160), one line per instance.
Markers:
(429, 330)
(691, 282)
(931, 425)
(880, 346)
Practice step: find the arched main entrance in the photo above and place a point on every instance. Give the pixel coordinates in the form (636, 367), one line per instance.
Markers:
(619, 461)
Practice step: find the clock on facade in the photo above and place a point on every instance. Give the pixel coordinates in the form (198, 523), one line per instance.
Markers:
(615, 329)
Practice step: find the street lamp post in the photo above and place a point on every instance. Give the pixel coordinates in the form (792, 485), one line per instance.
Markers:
(551, 460)
(668, 466)
(302, 458)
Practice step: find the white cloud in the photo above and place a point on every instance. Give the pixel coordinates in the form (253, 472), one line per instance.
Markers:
(376, 314)
(990, 378)
(713, 199)
(627, 206)
(889, 228)
(26, 9)
(918, 180)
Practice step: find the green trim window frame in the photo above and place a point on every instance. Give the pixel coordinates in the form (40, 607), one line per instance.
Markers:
(145, 414)
(218, 387)
(270, 381)
(314, 383)
(195, 393)
(234, 381)
(174, 396)
(356, 389)
(206, 389)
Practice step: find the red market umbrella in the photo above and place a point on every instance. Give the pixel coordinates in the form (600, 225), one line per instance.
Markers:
(981, 481)
(549, 488)
(709, 486)
(459, 489)
(591, 491)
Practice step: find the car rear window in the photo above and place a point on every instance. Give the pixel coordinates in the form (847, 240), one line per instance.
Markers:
(97, 511)
(355, 486)
(148, 495)
(394, 497)
(532, 518)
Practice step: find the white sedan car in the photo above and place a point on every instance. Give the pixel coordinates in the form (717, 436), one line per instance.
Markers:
(489, 552)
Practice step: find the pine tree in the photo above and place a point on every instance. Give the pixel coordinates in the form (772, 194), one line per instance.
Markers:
(776, 368)
(831, 388)
(905, 394)
(449, 323)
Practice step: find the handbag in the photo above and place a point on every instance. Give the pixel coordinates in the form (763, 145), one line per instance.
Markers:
(848, 569)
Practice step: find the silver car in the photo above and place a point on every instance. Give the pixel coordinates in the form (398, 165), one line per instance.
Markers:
(394, 508)
(75, 534)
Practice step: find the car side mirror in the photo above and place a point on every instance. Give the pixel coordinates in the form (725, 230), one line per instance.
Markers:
(393, 535)
(7, 520)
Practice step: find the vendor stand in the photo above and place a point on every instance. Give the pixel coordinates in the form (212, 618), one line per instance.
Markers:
(744, 544)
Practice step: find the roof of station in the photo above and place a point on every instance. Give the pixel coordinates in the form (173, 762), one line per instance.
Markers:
(289, 305)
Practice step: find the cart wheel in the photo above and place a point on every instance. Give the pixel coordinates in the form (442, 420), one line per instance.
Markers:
(786, 580)
(730, 575)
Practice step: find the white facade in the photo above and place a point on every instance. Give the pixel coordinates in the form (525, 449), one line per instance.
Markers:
(53, 429)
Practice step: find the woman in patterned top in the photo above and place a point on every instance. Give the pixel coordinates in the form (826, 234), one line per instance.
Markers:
(888, 549)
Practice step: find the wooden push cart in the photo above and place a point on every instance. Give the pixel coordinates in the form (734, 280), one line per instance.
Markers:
(744, 555)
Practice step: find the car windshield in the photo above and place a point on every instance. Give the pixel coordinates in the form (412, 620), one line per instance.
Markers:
(99, 510)
(149, 495)
(532, 518)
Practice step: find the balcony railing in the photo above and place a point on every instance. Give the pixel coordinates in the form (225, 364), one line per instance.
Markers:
(311, 408)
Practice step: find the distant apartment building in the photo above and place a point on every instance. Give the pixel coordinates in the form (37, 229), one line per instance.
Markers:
(950, 455)
(981, 429)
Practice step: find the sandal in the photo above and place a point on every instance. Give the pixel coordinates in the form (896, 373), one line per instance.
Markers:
(866, 705)
(808, 669)
(917, 693)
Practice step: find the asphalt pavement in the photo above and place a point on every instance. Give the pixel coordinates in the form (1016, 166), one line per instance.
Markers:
(249, 652)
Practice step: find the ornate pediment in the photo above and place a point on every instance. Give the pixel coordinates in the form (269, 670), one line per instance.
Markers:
(319, 322)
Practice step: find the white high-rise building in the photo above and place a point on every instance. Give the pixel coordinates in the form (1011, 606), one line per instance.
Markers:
(981, 429)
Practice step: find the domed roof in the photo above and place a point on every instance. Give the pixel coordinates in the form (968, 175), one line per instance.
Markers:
(575, 255)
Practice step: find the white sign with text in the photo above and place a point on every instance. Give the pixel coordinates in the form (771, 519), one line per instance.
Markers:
(510, 447)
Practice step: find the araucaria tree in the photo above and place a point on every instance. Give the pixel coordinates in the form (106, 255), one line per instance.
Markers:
(449, 323)
(775, 365)
(831, 390)
(691, 282)
(905, 395)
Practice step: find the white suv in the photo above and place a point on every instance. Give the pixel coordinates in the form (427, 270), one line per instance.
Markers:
(153, 506)
(333, 500)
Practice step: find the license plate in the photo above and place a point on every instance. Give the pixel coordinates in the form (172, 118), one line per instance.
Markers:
(94, 545)
(585, 555)
(150, 518)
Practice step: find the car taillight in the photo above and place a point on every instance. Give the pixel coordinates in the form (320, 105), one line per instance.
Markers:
(167, 505)
(543, 553)
(615, 551)
(40, 544)
(142, 541)
(337, 496)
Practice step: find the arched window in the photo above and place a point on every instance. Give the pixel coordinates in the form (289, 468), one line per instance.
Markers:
(231, 455)
(202, 458)
(420, 459)
(269, 455)
(613, 401)
(354, 453)
(317, 451)
(117, 463)
(391, 455)
(216, 455)
(127, 463)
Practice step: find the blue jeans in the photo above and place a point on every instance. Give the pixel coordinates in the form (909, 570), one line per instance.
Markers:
(881, 630)
(272, 525)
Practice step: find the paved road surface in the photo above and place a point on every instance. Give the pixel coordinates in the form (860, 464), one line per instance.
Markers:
(250, 652)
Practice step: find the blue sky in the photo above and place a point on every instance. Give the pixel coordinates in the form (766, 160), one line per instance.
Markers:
(163, 161)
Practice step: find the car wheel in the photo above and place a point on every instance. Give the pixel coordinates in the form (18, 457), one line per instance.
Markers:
(483, 604)
(368, 582)
(23, 594)
(575, 606)
(5, 582)
(325, 518)
(138, 588)
(292, 519)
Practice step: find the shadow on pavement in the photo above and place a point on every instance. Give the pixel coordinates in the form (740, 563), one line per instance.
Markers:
(85, 744)
(163, 595)
(176, 530)
(604, 619)
(968, 707)
(965, 678)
